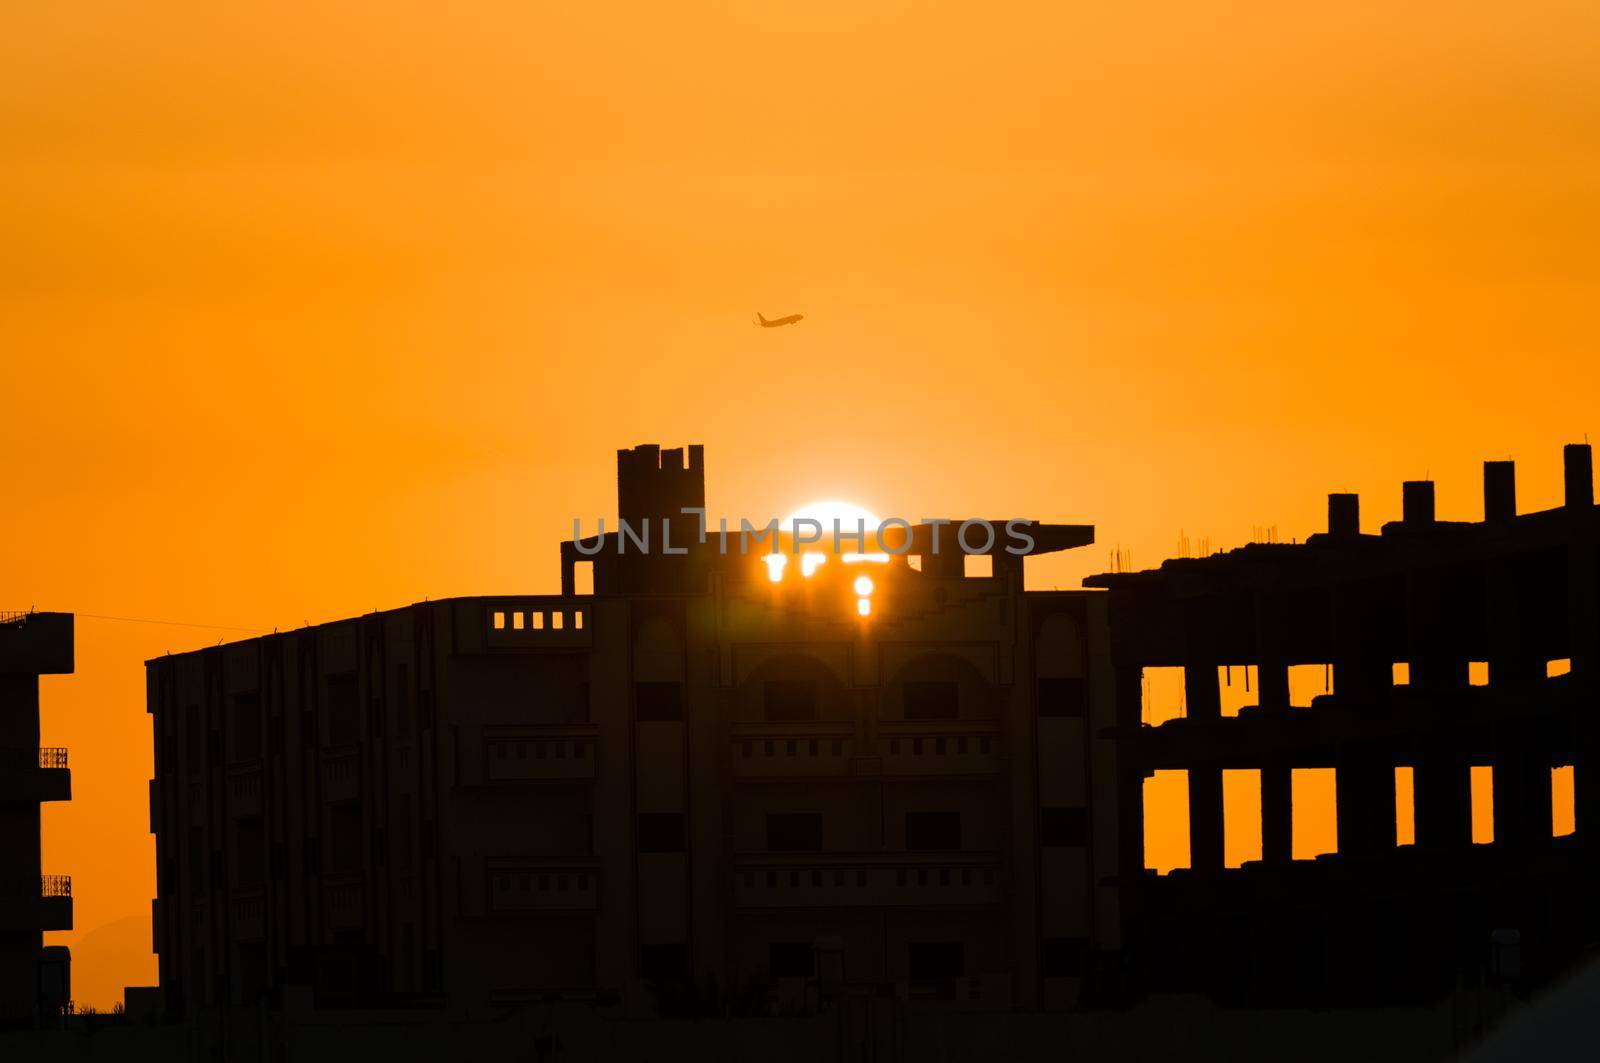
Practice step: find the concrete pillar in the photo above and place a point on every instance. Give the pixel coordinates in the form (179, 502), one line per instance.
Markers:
(1578, 469)
(1277, 814)
(1362, 670)
(1416, 501)
(1273, 677)
(1499, 490)
(1366, 812)
(1344, 515)
(1272, 668)
(1203, 696)
(1443, 797)
(1509, 662)
(1205, 818)
(1522, 799)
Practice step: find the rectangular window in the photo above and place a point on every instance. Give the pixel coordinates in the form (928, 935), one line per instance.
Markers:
(792, 959)
(663, 963)
(1558, 667)
(344, 821)
(661, 832)
(583, 577)
(658, 702)
(1400, 674)
(794, 832)
(246, 728)
(402, 832)
(790, 699)
(499, 620)
(977, 566)
(932, 700)
(194, 753)
(1482, 804)
(1563, 815)
(197, 860)
(933, 831)
(1063, 957)
(1063, 697)
(250, 843)
(932, 962)
(1064, 827)
(517, 619)
(1478, 673)
(344, 711)
(1405, 808)
(402, 703)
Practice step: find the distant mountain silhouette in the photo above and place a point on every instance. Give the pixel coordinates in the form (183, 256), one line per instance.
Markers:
(103, 959)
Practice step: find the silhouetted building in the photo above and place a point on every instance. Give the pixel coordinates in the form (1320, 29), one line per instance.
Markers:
(722, 784)
(1452, 667)
(34, 980)
(711, 786)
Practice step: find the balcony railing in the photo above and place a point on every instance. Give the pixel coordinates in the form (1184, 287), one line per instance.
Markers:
(27, 759)
(14, 618)
(883, 879)
(44, 886)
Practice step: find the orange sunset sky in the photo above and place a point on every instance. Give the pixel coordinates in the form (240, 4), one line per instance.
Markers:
(311, 309)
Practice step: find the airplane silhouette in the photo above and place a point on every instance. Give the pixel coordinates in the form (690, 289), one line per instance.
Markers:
(775, 322)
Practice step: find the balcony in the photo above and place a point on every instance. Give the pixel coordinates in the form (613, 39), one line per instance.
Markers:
(42, 903)
(793, 750)
(940, 747)
(244, 791)
(546, 756)
(249, 915)
(868, 880)
(344, 899)
(543, 886)
(29, 776)
(341, 774)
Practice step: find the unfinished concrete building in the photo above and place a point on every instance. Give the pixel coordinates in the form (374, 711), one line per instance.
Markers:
(714, 785)
(34, 983)
(1458, 721)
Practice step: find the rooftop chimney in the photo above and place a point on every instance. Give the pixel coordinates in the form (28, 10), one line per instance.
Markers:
(1344, 515)
(1499, 490)
(1416, 501)
(1580, 475)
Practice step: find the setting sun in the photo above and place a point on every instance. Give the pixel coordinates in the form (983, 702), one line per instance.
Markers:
(851, 519)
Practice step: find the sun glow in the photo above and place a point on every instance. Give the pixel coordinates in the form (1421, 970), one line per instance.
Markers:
(851, 519)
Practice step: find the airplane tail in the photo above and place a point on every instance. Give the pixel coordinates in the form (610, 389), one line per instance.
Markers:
(760, 319)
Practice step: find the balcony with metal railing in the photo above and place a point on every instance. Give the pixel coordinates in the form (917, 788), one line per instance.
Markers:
(28, 776)
(43, 902)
